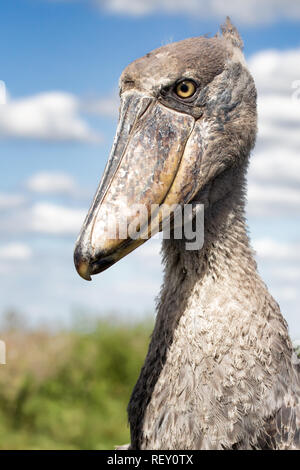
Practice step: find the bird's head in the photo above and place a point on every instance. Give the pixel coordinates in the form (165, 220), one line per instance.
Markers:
(188, 112)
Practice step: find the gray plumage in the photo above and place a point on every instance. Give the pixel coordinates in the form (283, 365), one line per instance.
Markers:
(220, 371)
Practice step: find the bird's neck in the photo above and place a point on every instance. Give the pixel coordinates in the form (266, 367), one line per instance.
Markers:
(211, 304)
(212, 285)
(224, 261)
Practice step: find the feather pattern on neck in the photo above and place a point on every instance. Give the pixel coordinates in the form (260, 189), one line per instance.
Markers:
(220, 355)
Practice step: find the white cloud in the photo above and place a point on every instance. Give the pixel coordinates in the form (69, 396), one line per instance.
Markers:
(278, 261)
(272, 250)
(279, 118)
(276, 165)
(56, 220)
(3, 92)
(275, 70)
(273, 200)
(104, 106)
(46, 116)
(247, 12)
(287, 293)
(44, 218)
(274, 172)
(51, 183)
(15, 251)
(289, 273)
(10, 201)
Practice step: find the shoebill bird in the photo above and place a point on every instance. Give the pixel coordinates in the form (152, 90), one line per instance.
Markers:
(220, 371)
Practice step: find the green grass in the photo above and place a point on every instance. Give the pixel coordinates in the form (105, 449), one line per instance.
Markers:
(69, 390)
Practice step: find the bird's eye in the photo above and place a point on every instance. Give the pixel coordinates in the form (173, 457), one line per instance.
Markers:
(185, 89)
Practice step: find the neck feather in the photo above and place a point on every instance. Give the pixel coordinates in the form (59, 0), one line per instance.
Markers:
(212, 306)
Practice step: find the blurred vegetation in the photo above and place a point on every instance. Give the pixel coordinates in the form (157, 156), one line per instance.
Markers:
(69, 390)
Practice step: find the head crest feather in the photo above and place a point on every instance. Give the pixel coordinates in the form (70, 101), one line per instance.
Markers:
(231, 34)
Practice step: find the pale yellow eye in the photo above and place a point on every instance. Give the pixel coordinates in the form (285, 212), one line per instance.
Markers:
(185, 89)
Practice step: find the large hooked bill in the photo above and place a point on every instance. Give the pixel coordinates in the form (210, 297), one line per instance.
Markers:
(153, 167)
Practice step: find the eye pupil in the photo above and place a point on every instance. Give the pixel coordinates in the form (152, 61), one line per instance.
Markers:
(185, 89)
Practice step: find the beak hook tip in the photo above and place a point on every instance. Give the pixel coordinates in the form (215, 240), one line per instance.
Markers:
(83, 270)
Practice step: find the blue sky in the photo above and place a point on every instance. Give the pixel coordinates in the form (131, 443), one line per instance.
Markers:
(61, 61)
